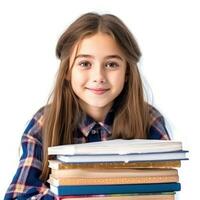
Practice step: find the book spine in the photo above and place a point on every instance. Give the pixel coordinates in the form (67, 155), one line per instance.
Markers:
(109, 181)
(120, 197)
(155, 164)
(115, 189)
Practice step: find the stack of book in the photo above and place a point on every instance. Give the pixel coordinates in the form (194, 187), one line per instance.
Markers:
(115, 169)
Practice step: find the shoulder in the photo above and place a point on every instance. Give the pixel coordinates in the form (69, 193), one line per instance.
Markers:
(34, 126)
(157, 126)
(154, 112)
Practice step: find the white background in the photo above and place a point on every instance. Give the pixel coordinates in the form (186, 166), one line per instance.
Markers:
(168, 34)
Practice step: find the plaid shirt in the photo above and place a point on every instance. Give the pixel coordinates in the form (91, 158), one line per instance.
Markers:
(26, 183)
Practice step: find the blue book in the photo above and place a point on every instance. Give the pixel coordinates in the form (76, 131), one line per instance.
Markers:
(114, 189)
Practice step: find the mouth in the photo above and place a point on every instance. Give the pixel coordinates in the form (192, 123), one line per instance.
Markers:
(98, 90)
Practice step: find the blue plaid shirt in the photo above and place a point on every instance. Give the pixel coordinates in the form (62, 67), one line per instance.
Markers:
(26, 183)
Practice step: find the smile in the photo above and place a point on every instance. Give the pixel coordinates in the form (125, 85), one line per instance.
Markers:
(98, 90)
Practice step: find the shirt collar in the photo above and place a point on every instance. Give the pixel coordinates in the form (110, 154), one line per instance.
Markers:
(87, 123)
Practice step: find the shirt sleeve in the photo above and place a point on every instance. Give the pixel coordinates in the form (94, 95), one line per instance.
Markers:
(26, 183)
(158, 128)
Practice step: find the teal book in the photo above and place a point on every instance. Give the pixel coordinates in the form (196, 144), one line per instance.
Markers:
(114, 189)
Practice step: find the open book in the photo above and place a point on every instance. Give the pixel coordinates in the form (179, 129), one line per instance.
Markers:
(117, 146)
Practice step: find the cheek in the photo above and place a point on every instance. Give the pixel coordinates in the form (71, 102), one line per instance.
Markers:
(77, 78)
(118, 80)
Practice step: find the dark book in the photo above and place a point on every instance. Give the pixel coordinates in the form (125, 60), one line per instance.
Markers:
(114, 189)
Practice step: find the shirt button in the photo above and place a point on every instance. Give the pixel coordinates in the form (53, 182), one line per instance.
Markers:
(94, 131)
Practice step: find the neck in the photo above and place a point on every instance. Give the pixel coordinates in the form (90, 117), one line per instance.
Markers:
(97, 113)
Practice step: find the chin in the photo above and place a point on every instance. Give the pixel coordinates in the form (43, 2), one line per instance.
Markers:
(99, 104)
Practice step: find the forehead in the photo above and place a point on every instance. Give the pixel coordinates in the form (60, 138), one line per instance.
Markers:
(100, 43)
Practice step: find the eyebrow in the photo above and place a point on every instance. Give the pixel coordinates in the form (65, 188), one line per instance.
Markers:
(91, 56)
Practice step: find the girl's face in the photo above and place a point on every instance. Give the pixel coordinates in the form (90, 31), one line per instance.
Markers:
(98, 72)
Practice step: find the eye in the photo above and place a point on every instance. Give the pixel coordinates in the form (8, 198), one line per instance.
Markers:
(112, 65)
(84, 64)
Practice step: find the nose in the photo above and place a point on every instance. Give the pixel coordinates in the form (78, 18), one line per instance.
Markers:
(98, 74)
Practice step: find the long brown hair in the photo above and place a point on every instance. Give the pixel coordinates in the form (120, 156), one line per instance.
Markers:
(62, 113)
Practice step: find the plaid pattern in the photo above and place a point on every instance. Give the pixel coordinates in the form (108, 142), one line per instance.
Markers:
(26, 183)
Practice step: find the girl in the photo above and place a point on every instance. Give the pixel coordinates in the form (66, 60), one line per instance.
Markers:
(98, 95)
